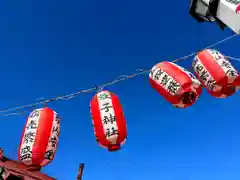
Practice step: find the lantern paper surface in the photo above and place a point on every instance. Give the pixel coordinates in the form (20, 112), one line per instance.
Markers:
(108, 120)
(40, 137)
(216, 73)
(177, 85)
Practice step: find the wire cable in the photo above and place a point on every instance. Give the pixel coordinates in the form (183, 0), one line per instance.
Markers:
(16, 110)
(233, 58)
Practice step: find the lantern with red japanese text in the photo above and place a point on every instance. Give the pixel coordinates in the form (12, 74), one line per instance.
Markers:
(40, 138)
(216, 73)
(108, 120)
(177, 85)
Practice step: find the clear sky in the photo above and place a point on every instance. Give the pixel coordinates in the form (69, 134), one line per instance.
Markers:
(50, 48)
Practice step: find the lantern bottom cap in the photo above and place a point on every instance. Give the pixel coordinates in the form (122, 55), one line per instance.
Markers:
(115, 147)
(229, 90)
(189, 97)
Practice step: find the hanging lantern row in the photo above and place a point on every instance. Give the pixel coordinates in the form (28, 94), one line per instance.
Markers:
(177, 85)
(181, 88)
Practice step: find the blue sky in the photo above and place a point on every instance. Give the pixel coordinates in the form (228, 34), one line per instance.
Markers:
(50, 48)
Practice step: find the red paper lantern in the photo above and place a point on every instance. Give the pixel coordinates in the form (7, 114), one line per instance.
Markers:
(177, 85)
(108, 120)
(216, 73)
(40, 138)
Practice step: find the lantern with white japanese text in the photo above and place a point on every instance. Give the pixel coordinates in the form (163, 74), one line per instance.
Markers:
(177, 85)
(40, 138)
(108, 120)
(216, 73)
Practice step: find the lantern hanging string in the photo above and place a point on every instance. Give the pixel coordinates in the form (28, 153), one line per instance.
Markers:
(19, 109)
(99, 88)
(233, 58)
